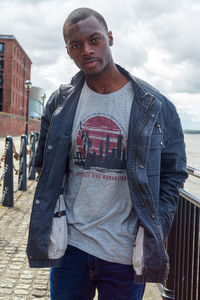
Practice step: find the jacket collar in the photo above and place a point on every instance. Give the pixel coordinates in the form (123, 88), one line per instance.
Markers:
(142, 97)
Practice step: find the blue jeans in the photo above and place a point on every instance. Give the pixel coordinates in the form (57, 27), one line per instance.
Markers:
(81, 274)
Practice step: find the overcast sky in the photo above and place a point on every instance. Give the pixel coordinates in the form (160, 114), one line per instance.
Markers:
(156, 40)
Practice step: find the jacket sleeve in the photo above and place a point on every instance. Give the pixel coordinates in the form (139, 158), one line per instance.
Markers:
(50, 107)
(173, 168)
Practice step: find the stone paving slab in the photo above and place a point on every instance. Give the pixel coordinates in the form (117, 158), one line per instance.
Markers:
(17, 280)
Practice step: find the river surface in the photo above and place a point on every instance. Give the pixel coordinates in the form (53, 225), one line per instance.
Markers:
(192, 142)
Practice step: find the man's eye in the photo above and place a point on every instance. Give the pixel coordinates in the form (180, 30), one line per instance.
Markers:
(75, 46)
(95, 40)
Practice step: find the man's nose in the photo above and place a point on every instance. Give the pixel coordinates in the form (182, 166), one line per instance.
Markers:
(87, 49)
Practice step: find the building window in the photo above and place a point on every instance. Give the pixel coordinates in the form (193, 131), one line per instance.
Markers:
(1, 62)
(2, 47)
(1, 99)
(1, 78)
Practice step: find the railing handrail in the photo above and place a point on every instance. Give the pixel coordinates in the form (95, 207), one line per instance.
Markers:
(185, 194)
(193, 171)
(191, 198)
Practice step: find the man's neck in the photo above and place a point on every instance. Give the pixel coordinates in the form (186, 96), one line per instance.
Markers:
(108, 82)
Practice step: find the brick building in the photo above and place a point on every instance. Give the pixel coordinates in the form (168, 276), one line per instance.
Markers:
(15, 68)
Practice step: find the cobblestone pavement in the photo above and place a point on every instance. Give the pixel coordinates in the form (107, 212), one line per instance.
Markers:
(17, 280)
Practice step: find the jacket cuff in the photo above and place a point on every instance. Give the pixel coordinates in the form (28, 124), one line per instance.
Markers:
(48, 263)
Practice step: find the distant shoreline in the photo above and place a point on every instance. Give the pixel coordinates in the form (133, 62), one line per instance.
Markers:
(191, 131)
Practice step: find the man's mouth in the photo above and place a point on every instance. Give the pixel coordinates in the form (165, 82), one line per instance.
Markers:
(90, 63)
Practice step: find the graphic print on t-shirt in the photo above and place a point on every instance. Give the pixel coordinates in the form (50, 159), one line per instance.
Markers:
(100, 144)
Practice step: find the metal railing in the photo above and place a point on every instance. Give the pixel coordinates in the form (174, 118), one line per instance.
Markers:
(183, 247)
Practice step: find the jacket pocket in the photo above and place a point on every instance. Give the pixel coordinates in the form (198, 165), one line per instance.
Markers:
(59, 164)
(138, 255)
(154, 154)
(58, 235)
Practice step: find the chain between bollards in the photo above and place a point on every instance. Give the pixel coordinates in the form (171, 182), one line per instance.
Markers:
(22, 180)
(33, 139)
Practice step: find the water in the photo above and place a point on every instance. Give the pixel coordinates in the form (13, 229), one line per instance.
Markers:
(192, 142)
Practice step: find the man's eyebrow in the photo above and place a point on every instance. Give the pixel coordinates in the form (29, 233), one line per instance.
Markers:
(76, 41)
(95, 33)
(72, 42)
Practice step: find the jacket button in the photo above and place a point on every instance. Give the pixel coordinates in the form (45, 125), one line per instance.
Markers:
(153, 216)
(37, 201)
(153, 116)
(49, 147)
(141, 166)
(161, 143)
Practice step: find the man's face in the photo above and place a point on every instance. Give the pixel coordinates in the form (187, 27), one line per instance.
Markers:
(88, 44)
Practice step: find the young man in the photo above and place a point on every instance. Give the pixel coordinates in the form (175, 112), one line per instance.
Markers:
(117, 144)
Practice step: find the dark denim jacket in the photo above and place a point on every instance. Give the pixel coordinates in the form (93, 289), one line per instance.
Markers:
(156, 168)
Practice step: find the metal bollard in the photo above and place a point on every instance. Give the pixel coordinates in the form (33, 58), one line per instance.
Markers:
(22, 180)
(7, 197)
(37, 135)
(32, 156)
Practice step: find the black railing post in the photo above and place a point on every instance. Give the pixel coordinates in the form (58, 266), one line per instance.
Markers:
(182, 254)
(191, 253)
(178, 249)
(22, 181)
(196, 275)
(7, 198)
(188, 254)
(168, 289)
(32, 156)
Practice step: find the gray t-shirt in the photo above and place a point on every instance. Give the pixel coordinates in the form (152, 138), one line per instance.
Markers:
(101, 219)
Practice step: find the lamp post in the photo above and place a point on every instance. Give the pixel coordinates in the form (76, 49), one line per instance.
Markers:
(43, 100)
(27, 85)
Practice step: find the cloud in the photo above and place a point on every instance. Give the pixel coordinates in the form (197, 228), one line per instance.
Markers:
(153, 8)
(58, 73)
(167, 76)
(188, 106)
(177, 33)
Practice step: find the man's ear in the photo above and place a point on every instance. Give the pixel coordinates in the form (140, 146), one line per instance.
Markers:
(110, 37)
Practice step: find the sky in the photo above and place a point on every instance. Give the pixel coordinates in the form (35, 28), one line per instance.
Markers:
(154, 40)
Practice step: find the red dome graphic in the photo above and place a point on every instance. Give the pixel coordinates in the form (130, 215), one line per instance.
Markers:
(100, 143)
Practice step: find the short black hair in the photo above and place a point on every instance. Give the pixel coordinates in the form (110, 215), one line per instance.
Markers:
(83, 13)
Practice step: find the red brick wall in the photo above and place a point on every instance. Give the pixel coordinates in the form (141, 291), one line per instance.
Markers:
(15, 125)
(13, 88)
